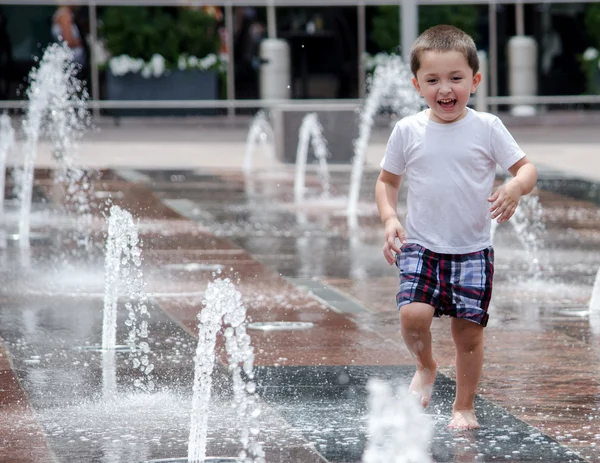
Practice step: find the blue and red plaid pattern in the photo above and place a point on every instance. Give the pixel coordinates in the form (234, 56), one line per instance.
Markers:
(458, 285)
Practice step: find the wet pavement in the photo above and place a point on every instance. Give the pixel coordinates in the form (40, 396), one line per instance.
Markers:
(64, 400)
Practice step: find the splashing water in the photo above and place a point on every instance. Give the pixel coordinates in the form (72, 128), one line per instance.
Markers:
(493, 227)
(223, 306)
(529, 226)
(122, 264)
(7, 141)
(311, 131)
(79, 190)
(57, 109)
(390, 85)
(594, 304)
(260, 132)
(398, 430)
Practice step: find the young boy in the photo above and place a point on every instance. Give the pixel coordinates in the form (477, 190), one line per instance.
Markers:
(448, 153)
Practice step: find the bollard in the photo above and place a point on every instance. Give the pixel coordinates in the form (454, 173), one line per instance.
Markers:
(522, 72)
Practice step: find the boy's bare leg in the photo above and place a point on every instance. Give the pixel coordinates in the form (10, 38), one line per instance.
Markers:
(468, 339)
(415, 324)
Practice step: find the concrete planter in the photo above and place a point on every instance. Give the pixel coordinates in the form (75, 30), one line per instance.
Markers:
(177, 85)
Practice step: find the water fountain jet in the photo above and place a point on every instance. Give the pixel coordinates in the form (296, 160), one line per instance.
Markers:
(223, 307)
(122, 263)
(56, 108)
(390, 84)
(7, 142)
(398, 430)
(594, 305)
(260, 132)
(529, 227)
(310, 131)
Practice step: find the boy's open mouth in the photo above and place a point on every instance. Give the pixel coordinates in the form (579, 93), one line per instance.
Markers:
(447, 103)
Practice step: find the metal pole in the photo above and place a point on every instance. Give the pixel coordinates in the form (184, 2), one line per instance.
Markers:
(481, 95)
(230, 64)
(94, 74)
(519, 18)
(409, 25)
(271, 20)
(493, 52)
(362, 48)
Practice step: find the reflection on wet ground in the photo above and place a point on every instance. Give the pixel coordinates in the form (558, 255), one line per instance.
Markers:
(295, 263)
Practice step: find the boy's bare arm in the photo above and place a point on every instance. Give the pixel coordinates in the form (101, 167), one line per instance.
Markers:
(386, 195)
(506, 198)
(525, 174)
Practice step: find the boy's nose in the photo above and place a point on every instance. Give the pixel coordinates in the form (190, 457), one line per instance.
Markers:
(445, 88)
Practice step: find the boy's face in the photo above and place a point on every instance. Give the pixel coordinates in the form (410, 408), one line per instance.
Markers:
(446, 82)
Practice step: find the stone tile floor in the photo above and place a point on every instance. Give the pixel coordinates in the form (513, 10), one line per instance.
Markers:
(539, 396)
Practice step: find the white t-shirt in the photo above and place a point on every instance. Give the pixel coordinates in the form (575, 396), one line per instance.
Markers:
(450, 170)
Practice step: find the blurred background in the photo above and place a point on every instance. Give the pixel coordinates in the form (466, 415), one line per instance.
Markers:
(323, 50)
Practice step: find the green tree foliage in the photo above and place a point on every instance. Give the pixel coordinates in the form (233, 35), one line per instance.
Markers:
(140, 32)
(592, 23)
(198, 34)
(385, 30)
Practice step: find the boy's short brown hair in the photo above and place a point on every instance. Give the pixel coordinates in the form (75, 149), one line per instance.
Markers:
(444, 38)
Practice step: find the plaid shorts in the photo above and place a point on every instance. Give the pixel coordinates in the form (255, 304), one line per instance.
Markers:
(458, 285)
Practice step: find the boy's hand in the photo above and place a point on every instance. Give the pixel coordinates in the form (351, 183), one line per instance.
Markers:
(505, 200)
(393, 231)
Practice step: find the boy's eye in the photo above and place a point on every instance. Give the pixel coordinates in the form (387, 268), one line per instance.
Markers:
(457, 79)
(431, 81)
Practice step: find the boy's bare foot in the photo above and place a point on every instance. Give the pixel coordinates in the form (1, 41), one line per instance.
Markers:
(421, 385)
(463, 419)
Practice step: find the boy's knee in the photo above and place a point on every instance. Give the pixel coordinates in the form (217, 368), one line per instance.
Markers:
(467, 334)
(416, 316)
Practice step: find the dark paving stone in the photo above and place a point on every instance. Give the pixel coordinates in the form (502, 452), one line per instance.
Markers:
(329, 405)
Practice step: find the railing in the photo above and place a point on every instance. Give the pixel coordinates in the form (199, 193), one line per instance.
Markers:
(300, 105)
(231, 103)
(277, 2)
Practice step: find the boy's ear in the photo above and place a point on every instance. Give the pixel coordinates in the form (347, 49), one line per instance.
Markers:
(476, 82)
(417, 86)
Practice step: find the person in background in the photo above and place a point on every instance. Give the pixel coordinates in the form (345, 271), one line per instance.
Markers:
(65, 29)
(248, 32)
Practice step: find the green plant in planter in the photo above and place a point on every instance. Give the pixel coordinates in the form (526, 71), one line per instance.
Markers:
(590, 59)
(198, 33)
(592, 22)
(589, 62)
(385, 31)
(139, 37)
